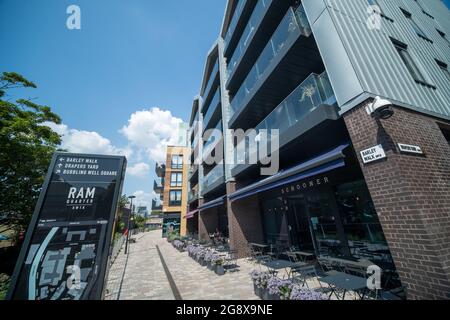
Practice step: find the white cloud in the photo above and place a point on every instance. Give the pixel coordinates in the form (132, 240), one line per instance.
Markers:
(80, 141)
(143, 199)
(152, 131)
(140, 170)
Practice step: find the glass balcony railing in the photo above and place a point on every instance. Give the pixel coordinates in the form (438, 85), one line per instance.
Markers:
(250, 29)
(193, 193)
(213, 140)
(234, 20)
(293, 21)
(212, 77)
(311, 93)
(212, 108)
(213, 176)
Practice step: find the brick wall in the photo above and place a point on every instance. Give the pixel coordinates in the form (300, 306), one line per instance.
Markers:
(411, 195)
(244, 222)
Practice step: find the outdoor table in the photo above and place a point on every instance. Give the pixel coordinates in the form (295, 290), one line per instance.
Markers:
(282, 264)
(363, 264)
(303, 254)
(346, 282)
(260, 246)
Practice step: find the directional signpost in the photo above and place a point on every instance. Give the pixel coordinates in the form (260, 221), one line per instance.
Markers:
(66, 249)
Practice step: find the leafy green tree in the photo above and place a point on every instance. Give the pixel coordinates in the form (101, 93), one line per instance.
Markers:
(26, 148)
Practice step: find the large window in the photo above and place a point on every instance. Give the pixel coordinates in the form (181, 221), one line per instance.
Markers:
(416, 70)
(175, 198)
(176, 179)
(177, 161)
(444, 36)
(444, 68)
(415, 26)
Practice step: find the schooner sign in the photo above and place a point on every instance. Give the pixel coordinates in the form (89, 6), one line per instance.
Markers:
(66, 249)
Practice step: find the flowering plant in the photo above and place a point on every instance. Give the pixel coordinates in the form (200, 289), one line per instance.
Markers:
(259, 278)
(216, 259)
(200, 253)
(178, 244)
(298, 293)
(208, 256)
(280, 287)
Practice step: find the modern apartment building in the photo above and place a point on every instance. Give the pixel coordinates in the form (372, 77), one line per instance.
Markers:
(359, 91)
(172, 187)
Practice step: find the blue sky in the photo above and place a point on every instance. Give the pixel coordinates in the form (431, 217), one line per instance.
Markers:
(128, 56)
(106, 79)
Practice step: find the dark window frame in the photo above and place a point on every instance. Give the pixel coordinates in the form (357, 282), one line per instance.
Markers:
(178, 164)
(178, 181)
(414, 67)
(178, 197)
(417, 29)
(444, 67)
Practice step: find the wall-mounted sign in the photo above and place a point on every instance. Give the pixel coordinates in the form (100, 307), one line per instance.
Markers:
(407, 148)
(66, 249)
(373, 154)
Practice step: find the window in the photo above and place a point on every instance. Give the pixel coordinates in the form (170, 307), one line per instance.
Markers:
(175, 198)
(423, 10)
(176, 179)
(177, 161)
(444, 36)
(416, 70)
(444, 68)
(415, 26)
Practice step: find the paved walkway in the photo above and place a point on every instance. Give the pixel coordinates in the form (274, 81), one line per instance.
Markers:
(141, 276)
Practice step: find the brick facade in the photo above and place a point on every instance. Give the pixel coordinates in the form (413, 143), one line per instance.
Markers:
(244, 222)
(208, 220)
(411, 195)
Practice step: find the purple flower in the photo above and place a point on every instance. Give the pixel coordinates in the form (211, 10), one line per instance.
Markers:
(259, 278)
(280, 287)
(299, 293)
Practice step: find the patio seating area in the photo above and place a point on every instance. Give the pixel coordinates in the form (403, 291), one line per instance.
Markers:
(289, 273)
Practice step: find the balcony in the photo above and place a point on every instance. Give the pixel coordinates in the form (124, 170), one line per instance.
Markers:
(264, 19)
(214, 179)
(250, 29)
(160, 170)
(212, 140)
(193, 173)
(158, 186)
(310, 104)
(157, 205)
(288, 58)
(213, 79)
(241, 4)
(213, 110)
(193, 194)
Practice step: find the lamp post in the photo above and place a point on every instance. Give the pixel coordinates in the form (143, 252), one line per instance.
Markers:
(129, 223)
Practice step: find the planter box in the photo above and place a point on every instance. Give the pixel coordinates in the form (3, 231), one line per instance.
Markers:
(270, 297)
(219, 269)
(258, 291)
(210, 266)
(202, 262)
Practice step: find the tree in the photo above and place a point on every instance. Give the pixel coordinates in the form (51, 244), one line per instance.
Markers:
(26, 148)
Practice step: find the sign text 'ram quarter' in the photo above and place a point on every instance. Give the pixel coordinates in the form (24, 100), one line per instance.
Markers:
(407, 148)
(66, 249)
(373, 154)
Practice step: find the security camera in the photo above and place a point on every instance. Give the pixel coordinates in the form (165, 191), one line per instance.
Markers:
(380, 108)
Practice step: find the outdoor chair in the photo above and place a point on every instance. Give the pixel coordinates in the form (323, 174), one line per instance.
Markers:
(230, 263)
(355, 270)
(300, 275)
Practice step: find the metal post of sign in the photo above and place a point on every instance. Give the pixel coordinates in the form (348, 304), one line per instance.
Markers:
(129, 223)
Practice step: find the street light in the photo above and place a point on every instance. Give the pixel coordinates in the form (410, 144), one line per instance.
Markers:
(128, 223)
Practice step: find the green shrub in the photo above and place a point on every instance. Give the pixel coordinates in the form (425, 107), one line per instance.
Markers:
(4, 285)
